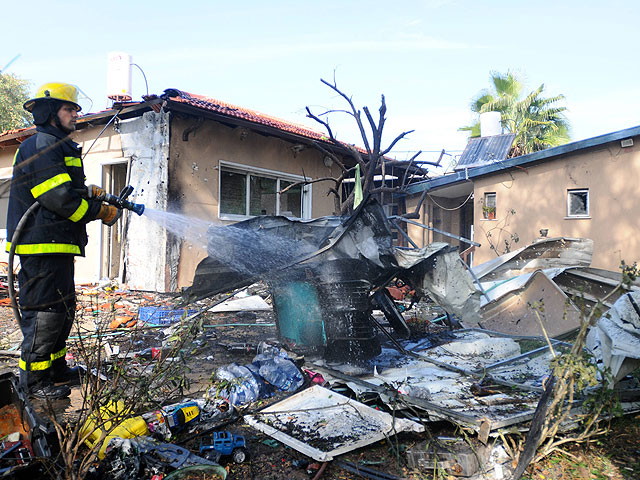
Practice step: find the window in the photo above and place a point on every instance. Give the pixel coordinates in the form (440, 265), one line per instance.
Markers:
(489, 206)
(254, 192)
(578, 203)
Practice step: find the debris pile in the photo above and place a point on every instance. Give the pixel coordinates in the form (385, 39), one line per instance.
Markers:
(347, 358)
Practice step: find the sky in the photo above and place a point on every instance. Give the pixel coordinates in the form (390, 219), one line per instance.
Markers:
(428, 58)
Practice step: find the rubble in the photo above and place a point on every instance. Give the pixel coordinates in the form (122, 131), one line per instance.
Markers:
(354, 381)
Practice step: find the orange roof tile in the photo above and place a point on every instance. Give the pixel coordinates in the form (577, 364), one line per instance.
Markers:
(218, 106)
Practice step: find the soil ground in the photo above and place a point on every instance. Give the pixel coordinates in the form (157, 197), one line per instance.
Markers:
(232, 337)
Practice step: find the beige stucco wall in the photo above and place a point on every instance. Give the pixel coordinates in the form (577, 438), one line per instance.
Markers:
(194, 179)
(538, 195)
(442, 214)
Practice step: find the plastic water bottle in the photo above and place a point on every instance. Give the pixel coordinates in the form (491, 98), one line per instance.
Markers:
(245, 386)
(281, 373)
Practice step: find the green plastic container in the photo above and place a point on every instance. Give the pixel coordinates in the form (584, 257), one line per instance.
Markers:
(298, 314)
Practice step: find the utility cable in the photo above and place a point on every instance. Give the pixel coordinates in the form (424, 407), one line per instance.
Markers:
(450, 209)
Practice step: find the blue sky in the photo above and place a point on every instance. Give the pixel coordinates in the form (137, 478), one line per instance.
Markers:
(429, 58)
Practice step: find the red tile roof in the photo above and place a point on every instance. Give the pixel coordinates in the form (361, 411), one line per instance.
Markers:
(218, 106)
(200, 102)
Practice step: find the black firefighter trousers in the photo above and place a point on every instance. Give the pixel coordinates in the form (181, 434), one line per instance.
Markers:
(47, 302)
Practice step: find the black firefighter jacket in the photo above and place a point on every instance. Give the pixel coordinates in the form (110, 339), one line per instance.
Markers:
(47, 169)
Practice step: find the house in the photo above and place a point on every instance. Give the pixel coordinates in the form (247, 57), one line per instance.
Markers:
(194, 156)
(587, 188)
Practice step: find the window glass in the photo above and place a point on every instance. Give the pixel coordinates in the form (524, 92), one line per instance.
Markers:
(578, 203)
(291, 200)
(233, 193)
(262, 196)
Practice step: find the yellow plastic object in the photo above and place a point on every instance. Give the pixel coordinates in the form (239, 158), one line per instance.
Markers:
(101, 423)
(60, 91)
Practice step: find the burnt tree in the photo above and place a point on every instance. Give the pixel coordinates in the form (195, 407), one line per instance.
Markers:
(372, 159)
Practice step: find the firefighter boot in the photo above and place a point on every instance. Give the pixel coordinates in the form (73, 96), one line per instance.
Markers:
(39, 385)
(61, 373)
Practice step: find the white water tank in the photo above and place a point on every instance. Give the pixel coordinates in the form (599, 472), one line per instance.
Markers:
(490, 124)
(119, 76)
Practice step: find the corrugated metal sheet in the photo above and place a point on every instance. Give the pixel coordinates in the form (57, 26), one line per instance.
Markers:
(485, 150)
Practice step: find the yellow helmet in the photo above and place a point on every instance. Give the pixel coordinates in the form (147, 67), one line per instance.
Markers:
(64, 92)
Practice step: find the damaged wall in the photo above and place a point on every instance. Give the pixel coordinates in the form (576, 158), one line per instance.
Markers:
(538, 195)
(195, 166)
(148, 255)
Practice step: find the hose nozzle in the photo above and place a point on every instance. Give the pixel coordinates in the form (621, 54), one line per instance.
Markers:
(122, 202)
(134, 207)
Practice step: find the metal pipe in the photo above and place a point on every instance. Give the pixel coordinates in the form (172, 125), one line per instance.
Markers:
(446, 234)
(404, 234)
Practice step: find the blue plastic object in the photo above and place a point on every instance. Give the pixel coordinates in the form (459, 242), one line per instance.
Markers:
(224, 443)
(245, 386)
(162, 316)
(280, 372)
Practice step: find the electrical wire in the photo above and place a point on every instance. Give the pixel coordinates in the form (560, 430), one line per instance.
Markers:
(143, 76)
(450, 209)
(100, 134)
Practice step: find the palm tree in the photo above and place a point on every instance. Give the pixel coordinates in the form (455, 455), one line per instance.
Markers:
(537, 121)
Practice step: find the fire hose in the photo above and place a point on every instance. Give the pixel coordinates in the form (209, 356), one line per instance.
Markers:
(120, 202)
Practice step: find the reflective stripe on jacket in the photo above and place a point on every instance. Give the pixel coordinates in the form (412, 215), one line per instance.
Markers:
(48, 169)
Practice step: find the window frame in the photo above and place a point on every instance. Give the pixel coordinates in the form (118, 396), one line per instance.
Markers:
(485, 213)
(588, 203)
(248, 170)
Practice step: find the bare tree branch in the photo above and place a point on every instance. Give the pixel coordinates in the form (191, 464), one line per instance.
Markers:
(404, 178)
(337, 181)
(332, 155)
(319, 120)
(396, 140)
(416, 213)
(356, 112)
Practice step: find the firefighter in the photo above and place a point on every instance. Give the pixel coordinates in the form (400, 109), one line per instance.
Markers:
(47, 169)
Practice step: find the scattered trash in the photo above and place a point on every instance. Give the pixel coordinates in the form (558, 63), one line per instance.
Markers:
(122, 322)
(182, 415)
(162, 316)
(24, 436)
(99, 426)
(454, 455)
(270, 369)
(143, 457)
